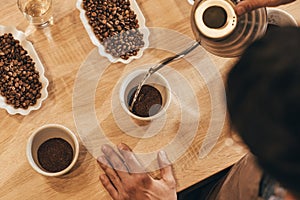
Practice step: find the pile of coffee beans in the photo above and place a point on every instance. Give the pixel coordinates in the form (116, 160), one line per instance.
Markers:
(19, 80)
(115, 25)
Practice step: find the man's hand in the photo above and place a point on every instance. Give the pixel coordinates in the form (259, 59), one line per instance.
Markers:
(123, 182)
(249, 5)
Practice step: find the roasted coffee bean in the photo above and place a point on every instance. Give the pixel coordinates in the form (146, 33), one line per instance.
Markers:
(115, 25)
(19, 80)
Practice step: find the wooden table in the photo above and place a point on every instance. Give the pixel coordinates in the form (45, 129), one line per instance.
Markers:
(64, 49)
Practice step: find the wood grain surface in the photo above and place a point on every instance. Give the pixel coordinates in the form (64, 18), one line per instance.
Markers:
(65, 48)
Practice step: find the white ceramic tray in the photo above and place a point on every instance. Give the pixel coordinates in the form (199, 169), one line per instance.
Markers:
(38, 65)
(280, 17)
(191, 2)
(143, 29)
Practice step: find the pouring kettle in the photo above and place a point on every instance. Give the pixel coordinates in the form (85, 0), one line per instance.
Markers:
(221, 32)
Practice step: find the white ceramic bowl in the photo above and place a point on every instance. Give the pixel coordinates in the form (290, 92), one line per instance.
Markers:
(156, 80)
(280, 17)
(45, 133)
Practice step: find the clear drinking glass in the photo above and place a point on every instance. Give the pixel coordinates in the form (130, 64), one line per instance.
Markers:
(37, 12)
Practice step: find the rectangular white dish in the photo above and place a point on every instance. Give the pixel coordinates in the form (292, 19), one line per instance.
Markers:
(19, 35)
(142, 28)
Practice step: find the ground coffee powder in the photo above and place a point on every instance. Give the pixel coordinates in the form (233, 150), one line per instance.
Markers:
(55, 154)
(148, 103)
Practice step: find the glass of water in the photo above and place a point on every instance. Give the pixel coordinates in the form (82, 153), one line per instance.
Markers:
(37, 12)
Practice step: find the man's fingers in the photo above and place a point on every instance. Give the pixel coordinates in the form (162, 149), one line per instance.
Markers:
(110, 172)
(249, 5)
(131, 161)
(108, 186)
(165, 168)
(115, 160)
(135, 168)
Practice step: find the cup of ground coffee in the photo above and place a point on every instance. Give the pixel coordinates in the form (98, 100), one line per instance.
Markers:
(52, 150)
(279, 18)
(154, 97)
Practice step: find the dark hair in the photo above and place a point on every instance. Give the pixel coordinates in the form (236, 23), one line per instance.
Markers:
(263, 97)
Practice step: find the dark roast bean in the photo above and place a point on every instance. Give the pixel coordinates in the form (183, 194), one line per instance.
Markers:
(18, 77)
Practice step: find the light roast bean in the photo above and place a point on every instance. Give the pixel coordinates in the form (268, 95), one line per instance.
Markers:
(115, 25)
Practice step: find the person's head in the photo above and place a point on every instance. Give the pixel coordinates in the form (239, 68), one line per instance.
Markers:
(263, 99)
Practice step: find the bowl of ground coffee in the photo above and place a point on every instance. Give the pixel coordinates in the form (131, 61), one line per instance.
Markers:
(153, 99)
(279, 18)
(52, 150)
